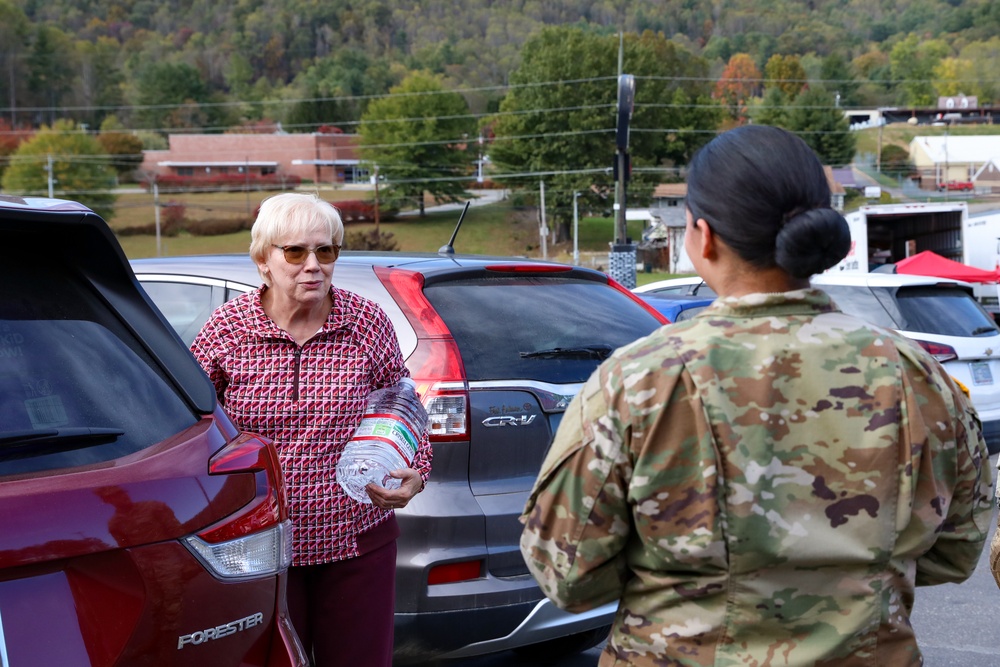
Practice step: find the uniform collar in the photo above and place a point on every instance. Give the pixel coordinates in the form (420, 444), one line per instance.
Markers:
(797, 302)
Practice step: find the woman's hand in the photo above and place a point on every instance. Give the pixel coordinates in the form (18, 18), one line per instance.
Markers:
(394, 499)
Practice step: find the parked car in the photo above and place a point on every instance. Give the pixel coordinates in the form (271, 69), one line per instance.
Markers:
(497, 347)
(139, 526)
(677, 307)
(680, 286)
(957, 186)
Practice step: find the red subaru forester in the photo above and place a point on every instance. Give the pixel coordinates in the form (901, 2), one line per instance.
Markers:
(138, 526)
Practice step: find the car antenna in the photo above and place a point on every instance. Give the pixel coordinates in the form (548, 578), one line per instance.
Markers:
(449, 248)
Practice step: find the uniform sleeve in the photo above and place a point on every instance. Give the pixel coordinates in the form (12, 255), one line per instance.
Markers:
(577, 518)
(960, 542)
(995, 547)
(388, 369)
(208, 348)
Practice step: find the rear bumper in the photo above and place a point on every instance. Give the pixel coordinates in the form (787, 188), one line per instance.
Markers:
(467, 633)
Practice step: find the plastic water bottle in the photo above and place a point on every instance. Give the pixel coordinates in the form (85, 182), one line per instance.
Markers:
(386, 440)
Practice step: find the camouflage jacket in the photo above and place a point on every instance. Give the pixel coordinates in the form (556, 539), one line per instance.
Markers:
(764, 484)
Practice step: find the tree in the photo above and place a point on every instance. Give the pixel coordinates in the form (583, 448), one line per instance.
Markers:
(558, 119)
(335, 90)
(896, 161)
(913, 61)
(49, 72)
(785, 73)
(417, 138)
(79, 168)
(823, 126)
(773, 109)
(169, 95)
(123, 148)
(739, 82)
(837, 78)
(14, 31)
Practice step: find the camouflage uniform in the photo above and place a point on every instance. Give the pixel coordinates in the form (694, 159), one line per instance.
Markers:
(764, 484)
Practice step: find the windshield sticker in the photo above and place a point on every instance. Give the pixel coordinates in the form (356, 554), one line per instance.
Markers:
(46, 412)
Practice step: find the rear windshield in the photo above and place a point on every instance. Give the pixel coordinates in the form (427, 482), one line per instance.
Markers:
(76, 387)
(929, 309)
(943, 311)
(551, 330)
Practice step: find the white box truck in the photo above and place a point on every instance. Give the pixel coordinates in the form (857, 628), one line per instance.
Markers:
(887, 233)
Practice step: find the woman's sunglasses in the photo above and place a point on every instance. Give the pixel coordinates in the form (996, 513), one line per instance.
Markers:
(296, 254)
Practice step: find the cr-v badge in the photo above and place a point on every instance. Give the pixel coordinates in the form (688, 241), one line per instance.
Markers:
(508, 420)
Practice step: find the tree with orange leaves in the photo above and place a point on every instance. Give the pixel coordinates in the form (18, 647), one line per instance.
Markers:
(740, 81)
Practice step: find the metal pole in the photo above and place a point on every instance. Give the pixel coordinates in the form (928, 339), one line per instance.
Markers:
(246, 180)
(376, 203)
(156, 209)
(48, 168)
(576, 230)
(543, 230)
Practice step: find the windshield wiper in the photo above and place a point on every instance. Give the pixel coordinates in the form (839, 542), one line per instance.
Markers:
(29, 442)
(982, 330)
(599, 352)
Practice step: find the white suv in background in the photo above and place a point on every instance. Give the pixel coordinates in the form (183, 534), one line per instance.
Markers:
(943, 317)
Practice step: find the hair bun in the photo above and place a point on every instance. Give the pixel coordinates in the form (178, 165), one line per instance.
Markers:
(812, 241)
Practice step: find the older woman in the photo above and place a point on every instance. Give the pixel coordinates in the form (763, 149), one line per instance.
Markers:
(767, 482)
(294, 360)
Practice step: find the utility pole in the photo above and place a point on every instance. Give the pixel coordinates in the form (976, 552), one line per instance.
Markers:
(52, 180)
(543, 230)
(622, 260)
(246, 180)
(156, 213)
(576, 229)
(479, 164)
(375, 179)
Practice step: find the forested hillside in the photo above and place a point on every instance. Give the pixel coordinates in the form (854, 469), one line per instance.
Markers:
(210, 65)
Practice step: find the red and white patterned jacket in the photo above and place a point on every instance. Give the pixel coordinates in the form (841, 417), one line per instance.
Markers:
(308, 399)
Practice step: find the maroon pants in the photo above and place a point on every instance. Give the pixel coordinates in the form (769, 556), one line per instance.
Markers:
(343, 611)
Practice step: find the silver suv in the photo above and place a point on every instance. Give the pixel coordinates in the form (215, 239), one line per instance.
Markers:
(498, 347)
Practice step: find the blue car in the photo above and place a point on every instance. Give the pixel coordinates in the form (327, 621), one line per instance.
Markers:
(676, 307)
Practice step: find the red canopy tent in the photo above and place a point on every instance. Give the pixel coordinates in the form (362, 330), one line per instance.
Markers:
(929, 263)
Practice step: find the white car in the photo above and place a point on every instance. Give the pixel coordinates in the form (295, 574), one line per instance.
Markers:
(940, 314)
(683, 286)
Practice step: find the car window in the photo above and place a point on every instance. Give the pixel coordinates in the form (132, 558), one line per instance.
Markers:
(943, 311)
(186, 306)
(505, 326)
(76, 387)
(861, 302)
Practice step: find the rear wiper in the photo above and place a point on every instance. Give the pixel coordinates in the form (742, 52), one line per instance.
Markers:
(29, 442)
(982, 330)
(599, 352)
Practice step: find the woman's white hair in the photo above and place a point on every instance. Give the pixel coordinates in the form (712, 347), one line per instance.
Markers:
(288, 215)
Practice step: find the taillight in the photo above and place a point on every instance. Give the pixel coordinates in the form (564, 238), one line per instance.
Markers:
(939, 351)
(256, 540)
(449, 573)
(435, 364)
(652, 311)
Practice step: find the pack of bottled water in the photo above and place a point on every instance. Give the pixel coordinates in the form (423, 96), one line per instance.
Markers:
(386, 440)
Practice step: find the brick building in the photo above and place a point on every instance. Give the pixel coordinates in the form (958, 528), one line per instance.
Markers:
(321, 158)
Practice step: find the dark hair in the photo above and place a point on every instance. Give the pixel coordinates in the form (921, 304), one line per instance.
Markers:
(763, 191)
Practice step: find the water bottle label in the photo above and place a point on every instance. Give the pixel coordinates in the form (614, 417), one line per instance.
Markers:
(391, 430)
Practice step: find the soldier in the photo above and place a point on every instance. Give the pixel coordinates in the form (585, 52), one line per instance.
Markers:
(767, 482)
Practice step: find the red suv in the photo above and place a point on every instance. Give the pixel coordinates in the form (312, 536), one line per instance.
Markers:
(139, 526)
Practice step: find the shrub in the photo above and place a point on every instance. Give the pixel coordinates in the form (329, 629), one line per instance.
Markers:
(216, 226)
(371, 240)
